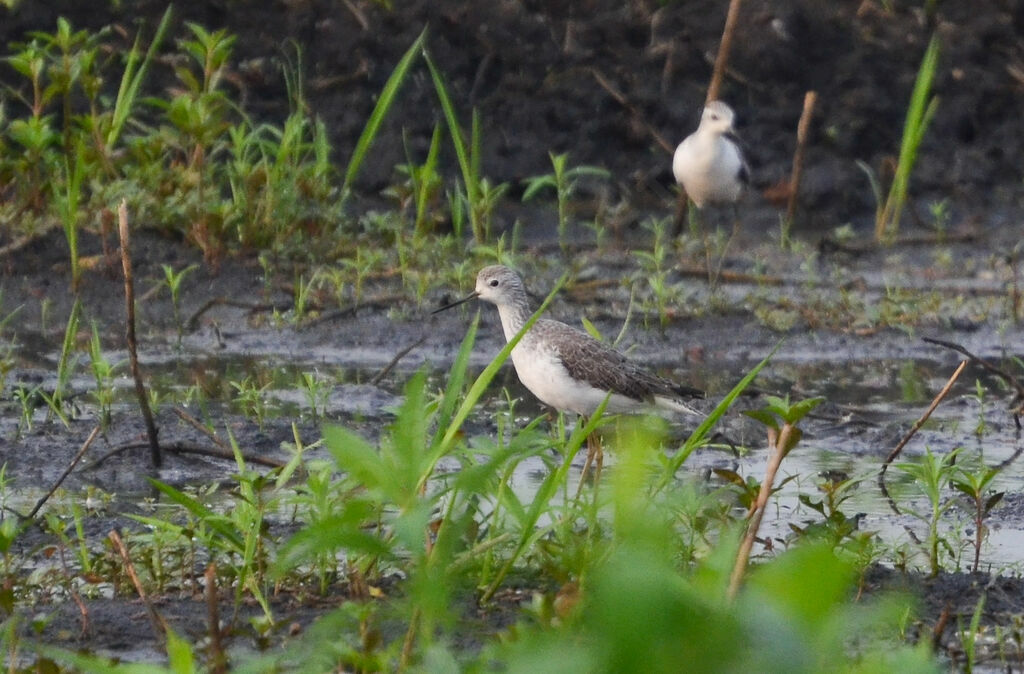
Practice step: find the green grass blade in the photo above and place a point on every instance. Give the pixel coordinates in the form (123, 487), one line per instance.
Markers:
(919, 115)
(456, 380)
(131, 80)
(462, 153)
(217, 523)
(380, 111)
(698, 436)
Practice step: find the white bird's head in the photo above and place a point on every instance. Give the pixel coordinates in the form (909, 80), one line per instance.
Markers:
(498, 284)
(717, 117)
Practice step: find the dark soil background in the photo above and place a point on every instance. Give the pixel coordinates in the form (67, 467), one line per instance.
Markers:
(534, 70)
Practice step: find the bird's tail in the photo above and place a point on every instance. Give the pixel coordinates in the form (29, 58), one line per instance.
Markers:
(674, 405)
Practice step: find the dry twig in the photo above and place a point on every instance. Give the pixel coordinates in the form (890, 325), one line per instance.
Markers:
(722, 60)
(1017, 406)
(155, 620)
(810, 99)
(133, 356)
(67, 471)
(186, 448)
(913, 430)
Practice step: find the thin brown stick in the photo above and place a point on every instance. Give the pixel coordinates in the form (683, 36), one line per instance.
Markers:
(202, 428)
(133, 356)
(810, 99)
(379, 302)
(1018, 401)
(394, 361)
(83, 614)
(185, 448)
(913, 430)
(253, 307)
(67, 471)
(155, 620)
(218, 658)
(722, 60)
(781, 440)
(621, 99)
(940, 627)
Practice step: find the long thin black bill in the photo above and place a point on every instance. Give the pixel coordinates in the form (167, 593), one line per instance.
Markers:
(455, 303)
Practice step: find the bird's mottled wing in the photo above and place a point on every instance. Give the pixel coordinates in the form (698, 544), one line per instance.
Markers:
(587, 359)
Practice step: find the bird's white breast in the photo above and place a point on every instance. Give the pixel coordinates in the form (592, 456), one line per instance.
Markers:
(708, 167)
(544, 375)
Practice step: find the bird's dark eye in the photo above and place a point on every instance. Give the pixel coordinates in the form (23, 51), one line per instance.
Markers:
(714, 117)
(494, 283)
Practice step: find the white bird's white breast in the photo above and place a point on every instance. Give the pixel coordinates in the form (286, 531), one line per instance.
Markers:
(708, 167)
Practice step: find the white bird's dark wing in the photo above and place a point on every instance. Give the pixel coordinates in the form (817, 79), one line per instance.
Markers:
(744, 172)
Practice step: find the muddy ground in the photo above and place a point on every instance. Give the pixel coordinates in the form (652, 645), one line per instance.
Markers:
(603, 80)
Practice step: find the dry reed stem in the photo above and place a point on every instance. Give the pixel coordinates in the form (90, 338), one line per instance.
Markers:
(810, 99)
(722, 60)
(156, 621)
(133, 355)
(218, 658)
(781, 441)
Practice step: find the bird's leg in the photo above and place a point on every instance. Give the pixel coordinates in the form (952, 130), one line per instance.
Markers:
(713, 280)
(681, 213)
(594, 452)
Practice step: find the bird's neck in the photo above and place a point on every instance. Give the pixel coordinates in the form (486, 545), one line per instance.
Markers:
(513, 316)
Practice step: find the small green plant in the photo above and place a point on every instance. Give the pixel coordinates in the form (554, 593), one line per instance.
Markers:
(933, 474)
(103, 374)
(565, 182)
(781, 421)
(480, 196)
(67, 362)
(655, 269)
(67, 201)
(172, 280)
(250, 397)
(975, 482)
(317, 391)
(980, 428)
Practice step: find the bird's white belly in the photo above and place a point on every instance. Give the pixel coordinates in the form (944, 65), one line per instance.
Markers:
(708, 174)
(544, 376)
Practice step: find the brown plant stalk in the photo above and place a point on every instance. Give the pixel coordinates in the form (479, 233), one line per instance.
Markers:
(133, 355)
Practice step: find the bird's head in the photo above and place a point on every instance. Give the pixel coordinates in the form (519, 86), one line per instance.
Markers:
(717, 117)
(498, 284)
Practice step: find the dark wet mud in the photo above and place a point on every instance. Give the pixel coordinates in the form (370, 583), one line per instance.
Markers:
(846, 319)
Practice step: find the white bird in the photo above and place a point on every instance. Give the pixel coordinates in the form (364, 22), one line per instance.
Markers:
(709, 163)
(568, 369)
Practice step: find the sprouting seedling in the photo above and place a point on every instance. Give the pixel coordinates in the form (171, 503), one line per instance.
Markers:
(979, 394)
(780, 419)
(173, 279)
(976, 486)
(67, 201)
(316, 390)
(655, 265)
(565, 182)
(103, 373)
(932, 473)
